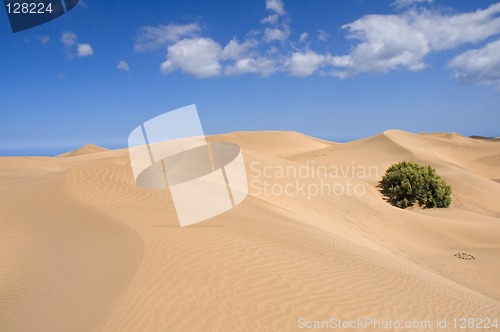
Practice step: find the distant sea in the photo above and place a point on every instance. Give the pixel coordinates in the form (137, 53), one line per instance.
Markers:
(44, 151)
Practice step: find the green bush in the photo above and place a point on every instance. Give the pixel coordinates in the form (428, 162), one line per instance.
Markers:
(407, 183)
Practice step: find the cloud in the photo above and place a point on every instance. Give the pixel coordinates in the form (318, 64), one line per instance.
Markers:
(122, 65)
(261, 65)
(84, 50)
(479, 66)
(195, 56)
(271, 19)
(381, 43)
(388, 42)
(151, 38)
(340, 61)
(303, 37)
(68, 38)
(271, 34)
(304, 64)
(322, 35)
(204, 57)
(278, 28)
(235, 50)
(276, 6)
(44, 39)
(406, 3)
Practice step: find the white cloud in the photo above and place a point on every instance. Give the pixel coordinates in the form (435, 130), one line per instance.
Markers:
(339, 61)
(406, 3)
(322, 35)
(271, 19)
(68, 38)
(151, 38)
(446, 32)
(304, 64)
(479, 66)
(203, 57)
(278, 29)
(381, 43)
(195, 56)
(337, 73)
(303, 37)
(44, 39)
(276, 6)
(122, 65)
(262, 66)
(84, 50)
(271, 34)
(235, 50)
(389, 42)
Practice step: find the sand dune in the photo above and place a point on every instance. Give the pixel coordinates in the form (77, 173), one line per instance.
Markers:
(277, 143)
(82, 248)
(87, 149)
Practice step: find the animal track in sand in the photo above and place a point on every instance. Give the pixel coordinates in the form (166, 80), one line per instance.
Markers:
(463, 255)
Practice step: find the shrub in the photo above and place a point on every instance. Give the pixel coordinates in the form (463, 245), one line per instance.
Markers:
(407, 183)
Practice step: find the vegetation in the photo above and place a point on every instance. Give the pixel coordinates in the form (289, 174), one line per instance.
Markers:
(407, 183)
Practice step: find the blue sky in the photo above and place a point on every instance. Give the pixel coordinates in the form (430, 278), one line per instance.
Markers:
(338, 70)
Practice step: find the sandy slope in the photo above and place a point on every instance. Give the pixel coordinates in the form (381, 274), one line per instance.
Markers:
(82, 248)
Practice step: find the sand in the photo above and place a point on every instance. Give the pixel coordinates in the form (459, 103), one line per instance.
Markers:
(82, 248)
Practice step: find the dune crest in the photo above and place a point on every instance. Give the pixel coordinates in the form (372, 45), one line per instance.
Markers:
(86, 149)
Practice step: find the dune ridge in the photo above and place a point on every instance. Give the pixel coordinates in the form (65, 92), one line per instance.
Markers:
(80, 239)
(84, 150)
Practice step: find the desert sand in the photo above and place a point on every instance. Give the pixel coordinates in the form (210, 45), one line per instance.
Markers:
(82, 248)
